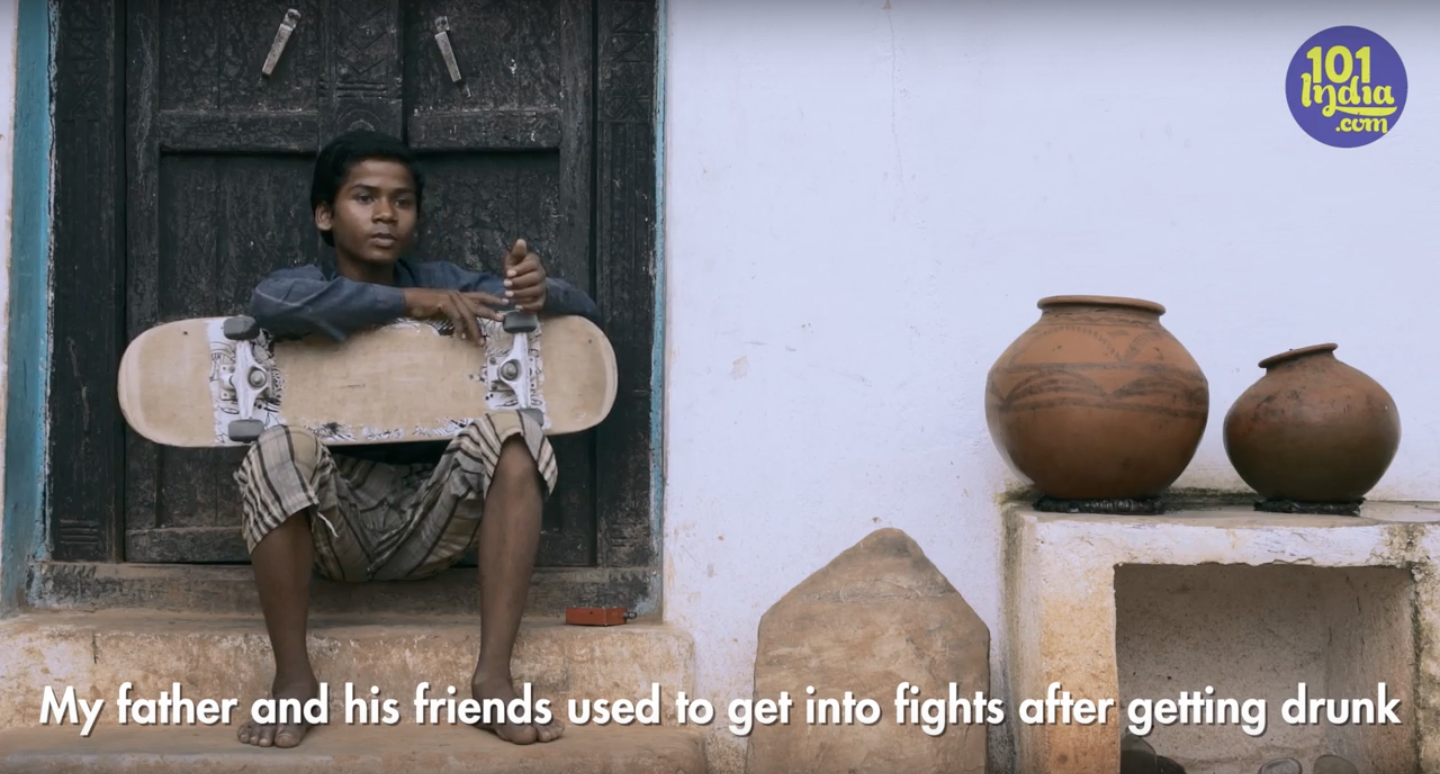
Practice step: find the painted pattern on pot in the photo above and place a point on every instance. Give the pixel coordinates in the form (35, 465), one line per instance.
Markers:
(1097, 400)
(1313, 429)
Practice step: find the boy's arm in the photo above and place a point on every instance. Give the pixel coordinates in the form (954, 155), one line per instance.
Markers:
(560, 296)
(563, 298)
(297, 302)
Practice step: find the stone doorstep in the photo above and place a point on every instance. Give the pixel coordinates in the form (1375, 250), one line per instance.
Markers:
(219, 657)
(352, 750)
(230, 590)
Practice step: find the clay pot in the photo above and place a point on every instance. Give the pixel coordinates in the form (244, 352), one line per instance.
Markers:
(1097, 400)
(1312, 430)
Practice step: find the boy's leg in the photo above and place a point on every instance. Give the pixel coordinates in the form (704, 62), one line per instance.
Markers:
(509, 540)
(292, 495)
(503, 467)
(282, 563)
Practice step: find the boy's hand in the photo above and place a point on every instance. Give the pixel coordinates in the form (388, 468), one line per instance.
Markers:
(524, 278)
(460, 309)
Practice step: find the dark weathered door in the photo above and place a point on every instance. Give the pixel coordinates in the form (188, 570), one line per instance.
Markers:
(219, 164)
(507, 148)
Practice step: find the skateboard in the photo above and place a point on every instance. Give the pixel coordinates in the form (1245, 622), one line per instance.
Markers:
(222, 381)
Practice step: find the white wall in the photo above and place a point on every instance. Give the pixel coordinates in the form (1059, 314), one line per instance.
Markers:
(9, 26)
(865, 200)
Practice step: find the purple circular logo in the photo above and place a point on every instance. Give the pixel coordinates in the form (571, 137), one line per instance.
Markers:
(1346, 87)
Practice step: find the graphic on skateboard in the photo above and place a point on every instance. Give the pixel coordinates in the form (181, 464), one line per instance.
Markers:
(221, 381)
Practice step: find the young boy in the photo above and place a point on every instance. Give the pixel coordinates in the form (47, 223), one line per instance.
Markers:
(400, 511)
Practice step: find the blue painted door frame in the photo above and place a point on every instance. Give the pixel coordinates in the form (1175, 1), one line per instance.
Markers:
(27, 347)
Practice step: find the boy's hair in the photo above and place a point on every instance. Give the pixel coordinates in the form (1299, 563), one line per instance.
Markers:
(342, 153)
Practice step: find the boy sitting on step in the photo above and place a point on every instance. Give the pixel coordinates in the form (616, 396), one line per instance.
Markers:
(394, 511)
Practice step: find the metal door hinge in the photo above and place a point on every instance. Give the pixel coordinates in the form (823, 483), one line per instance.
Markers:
(282, 37)
(442, 39)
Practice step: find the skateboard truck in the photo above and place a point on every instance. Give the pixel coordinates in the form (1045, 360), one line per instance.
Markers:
(514, 369)
(249, 380)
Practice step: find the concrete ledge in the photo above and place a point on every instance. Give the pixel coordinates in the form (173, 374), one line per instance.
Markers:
(1065, 626)
(230, 590)
(229, 657)
(352, 750)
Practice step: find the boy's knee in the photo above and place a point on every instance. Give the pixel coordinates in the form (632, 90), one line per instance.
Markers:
(515, 461)
(297, 446)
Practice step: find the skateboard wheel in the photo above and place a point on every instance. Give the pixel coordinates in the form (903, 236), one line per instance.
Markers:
(520, 322)
(241, 328)
(246, 430)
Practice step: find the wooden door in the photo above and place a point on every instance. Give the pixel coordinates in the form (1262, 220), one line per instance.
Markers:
(507, 150)
(218, 176)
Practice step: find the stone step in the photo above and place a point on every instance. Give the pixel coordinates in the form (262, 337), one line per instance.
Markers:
(230, 590)
(229, 657)
(351, 750)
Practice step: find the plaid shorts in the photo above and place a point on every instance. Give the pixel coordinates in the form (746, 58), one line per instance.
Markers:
(372, 521)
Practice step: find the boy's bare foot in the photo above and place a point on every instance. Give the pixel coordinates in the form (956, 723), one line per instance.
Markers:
(483, 688)
(281, 734)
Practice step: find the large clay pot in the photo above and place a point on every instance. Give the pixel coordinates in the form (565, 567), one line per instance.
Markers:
(1312, 430)
(1097, 400)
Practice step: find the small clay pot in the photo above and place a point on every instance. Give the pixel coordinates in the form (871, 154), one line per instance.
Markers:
(1097, 400)
(1312, 429)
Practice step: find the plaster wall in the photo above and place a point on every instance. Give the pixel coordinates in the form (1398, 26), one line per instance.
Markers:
(864, 201)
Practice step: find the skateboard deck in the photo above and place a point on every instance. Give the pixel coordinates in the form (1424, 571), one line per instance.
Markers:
(221, 381)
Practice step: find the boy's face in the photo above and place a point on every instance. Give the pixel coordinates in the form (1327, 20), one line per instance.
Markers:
(374, 217)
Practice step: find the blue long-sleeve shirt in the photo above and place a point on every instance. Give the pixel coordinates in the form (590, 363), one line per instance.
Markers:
(311, 299)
